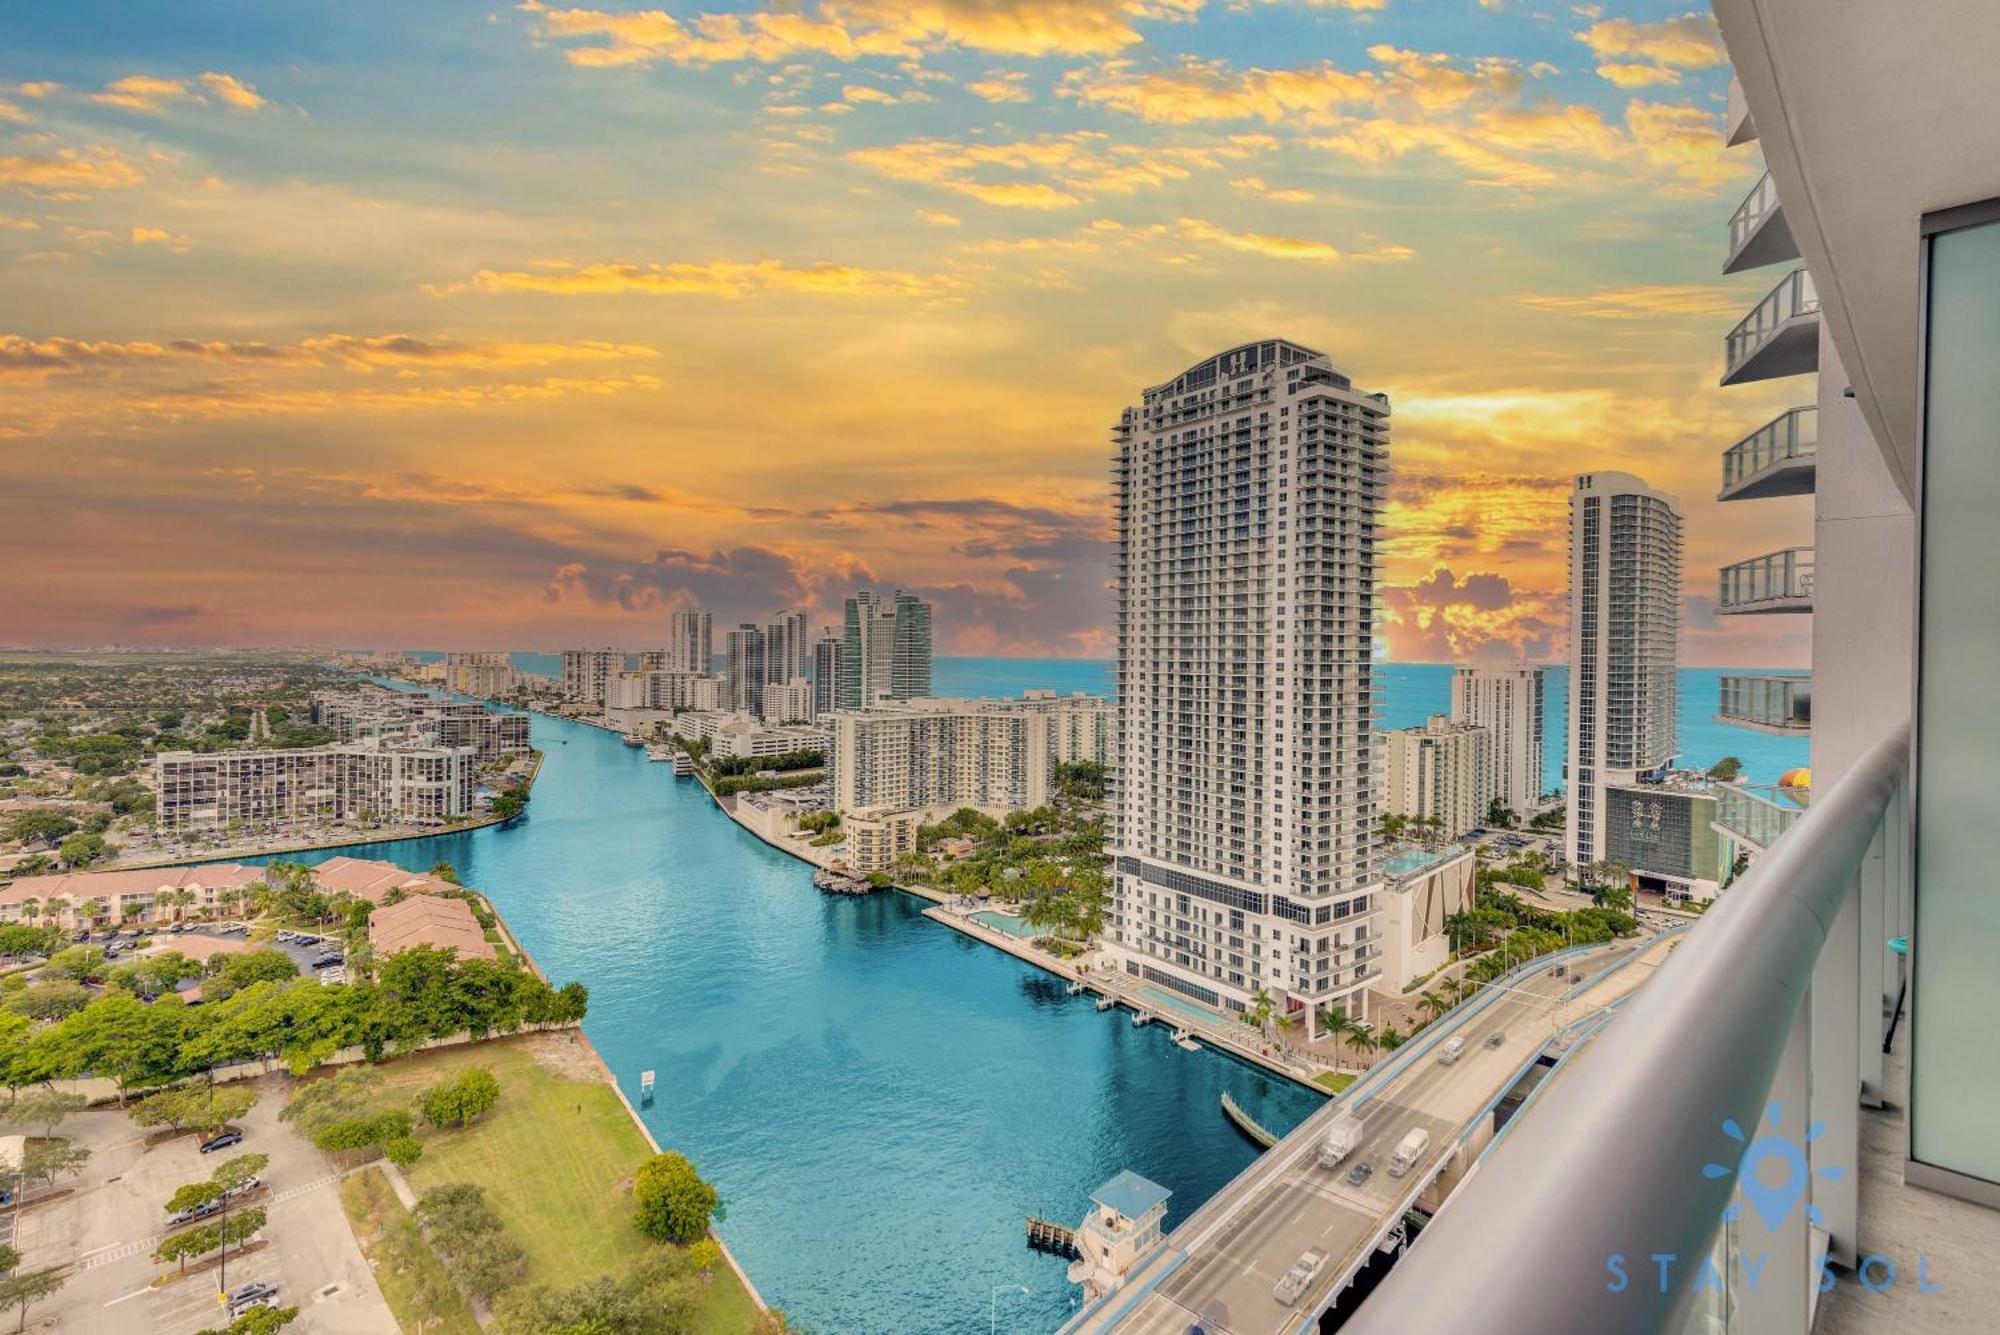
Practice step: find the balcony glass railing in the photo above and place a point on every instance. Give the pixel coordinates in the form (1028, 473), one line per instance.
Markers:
(1794, 296)
(1759, 204)
(1767, 701)
(1786, 575)
(1790, 435)
(1759, 814)
(1595, 1211)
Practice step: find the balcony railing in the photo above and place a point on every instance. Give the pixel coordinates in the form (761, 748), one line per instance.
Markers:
(1780, 335)
(1780, 582)
(1777, 459)
(1758, 231)
(1772, 1005)
(1758, 816)
(1770, 703)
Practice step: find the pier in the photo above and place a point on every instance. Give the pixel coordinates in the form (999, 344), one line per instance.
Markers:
(1047, 1236)
(1245, 1123)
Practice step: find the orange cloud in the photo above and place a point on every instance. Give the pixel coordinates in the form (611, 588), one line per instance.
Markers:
(1051, 171)
(1687, 42)
(1285, 247)
(1640, 301)
(153, 95)
(69, 170)
(719, 278)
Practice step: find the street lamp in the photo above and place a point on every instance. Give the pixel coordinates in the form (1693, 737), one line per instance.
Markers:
(993, 1307)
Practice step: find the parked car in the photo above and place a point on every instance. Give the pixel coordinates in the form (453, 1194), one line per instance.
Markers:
(1361, 1172)
(194, 1212)
(328, 961)
(252, 1295)
(245, 1188)
(221, 1141)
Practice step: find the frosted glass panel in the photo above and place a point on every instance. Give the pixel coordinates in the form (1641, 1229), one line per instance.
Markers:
(1955, 1071)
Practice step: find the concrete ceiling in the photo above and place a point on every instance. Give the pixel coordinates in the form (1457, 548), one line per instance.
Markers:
(1872, 114)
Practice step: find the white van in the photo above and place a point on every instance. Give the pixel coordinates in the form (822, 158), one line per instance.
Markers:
(1408, 1150)
(1451, 1051)
(1292, 1286)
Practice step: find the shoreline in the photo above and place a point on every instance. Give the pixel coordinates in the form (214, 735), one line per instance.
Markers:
(1006, 943)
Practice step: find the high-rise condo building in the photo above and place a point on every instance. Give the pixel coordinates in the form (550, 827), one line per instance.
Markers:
(1624, 645)
(1248, 489)
(486, 674)
(743, 669)
(585, 672)
(826, 673)
(885, 649)
(1441, 771)
(690, 642)
(787, 652)
(1508, 702)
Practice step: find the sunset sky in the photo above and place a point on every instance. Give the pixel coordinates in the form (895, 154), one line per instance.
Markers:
(463, 326)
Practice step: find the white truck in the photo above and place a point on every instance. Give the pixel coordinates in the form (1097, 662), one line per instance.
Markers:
(1340, 1140)
(1293, 1283)
(1408, 1150)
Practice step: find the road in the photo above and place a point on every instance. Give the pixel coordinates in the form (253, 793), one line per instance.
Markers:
(1219, 1268)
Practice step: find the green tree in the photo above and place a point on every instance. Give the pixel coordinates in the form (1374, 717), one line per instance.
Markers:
(25, 1288)
(82, 850)
(192, 1196)
(233, 1173)
(1499, 815)
(1262, 1008)
(45, 1160)
(40, 826)
(444, 871)
(1726, 770)
(670, 1201)
(461, 1100)
(43, 1108)
(257, 1321)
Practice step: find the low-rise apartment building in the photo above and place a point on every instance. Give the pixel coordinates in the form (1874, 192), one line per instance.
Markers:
(385, 778)
(153, 895)
(1440, 771)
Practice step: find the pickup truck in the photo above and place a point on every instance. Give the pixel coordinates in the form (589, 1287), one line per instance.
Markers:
(1340, 1140)
(1294, 1283)
(1408, 1150)
(1451, 1051)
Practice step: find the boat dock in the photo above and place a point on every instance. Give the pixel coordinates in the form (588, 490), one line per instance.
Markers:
(833, 883)
(1245, 1123)
(1055, 1239)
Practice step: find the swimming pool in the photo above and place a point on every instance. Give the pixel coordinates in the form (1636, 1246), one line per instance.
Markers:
(1009, 923)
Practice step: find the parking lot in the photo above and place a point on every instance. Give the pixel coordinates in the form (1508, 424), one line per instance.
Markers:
(303, 950)
(106, 1231)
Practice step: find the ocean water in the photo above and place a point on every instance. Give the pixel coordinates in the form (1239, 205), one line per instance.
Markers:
(880, 1100)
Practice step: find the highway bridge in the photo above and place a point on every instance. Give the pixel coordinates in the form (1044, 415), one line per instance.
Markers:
(1217, 1271)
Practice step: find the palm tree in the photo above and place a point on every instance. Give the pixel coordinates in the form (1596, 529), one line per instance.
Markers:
(1432, 1004)
(1390, 1038)
(1262, 1007)
(29, 908)
(1362, 1036)
(1338, 1026)
(90, 910)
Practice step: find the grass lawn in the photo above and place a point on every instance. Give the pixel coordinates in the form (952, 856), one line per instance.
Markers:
(412, 1278)
(556, 1157)
(1334, 1080)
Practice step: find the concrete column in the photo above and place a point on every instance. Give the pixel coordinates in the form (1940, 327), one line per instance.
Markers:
(1870, 1005)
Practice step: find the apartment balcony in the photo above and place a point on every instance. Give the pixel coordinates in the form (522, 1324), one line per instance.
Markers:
(1774, 703)
(1779, 458)
(1757, 816)
(1758, 231)
(1779, 337)
(1737, 125)
(1780, 582)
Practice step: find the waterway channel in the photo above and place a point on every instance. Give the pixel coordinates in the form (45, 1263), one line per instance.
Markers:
(880, 1100)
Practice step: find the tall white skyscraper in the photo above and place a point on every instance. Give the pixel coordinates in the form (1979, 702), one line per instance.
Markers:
(787, 652)
(1248, 489)
(1624, 645)
(826, 673)
(743, 669)
(690, 642)
(1509, 703)
(885, 649)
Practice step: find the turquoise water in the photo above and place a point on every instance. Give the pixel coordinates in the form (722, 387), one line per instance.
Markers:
(880, 1100)
(1410, 860)
(1005, 922)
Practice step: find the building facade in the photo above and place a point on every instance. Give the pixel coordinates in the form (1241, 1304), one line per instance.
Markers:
(885, 649)
(1509, 703)
(482, 674)
(1624, 646)
(1248, 493)
(787, 650)
(826, 673)
(690, 642)
(354, 716)
(585, 673)
(937, 753)
(382, 778)
(1441, 771)
(743, 669)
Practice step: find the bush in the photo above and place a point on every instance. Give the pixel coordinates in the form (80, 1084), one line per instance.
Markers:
(461, 1100)
(403, 1150)
(670, 1201)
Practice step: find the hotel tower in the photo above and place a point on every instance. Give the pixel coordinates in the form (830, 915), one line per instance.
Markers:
(1248, 489)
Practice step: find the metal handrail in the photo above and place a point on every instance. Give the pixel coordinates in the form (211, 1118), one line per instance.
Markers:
(1611, 1158)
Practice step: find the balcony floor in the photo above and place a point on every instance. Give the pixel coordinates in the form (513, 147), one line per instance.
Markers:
(1795, 476)
(1765, 606)
(1902, 1222)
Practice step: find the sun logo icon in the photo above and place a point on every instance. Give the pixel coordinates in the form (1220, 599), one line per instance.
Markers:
(1773, 1203)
